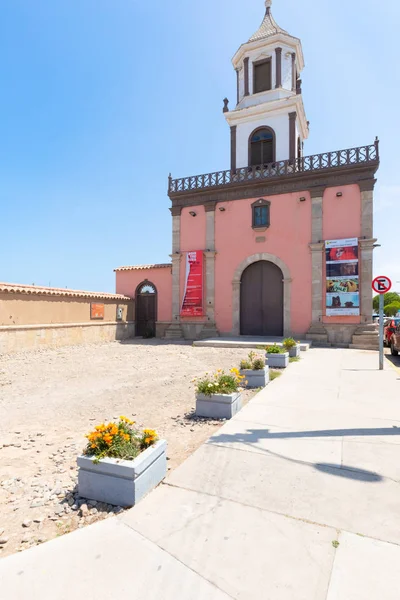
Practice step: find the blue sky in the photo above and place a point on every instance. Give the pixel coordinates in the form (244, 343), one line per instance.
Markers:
(101, 99)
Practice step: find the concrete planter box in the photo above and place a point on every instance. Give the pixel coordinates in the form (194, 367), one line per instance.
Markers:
(256, 379)
(122, 482)
(278, 361)
(218, 406)
(295, 351)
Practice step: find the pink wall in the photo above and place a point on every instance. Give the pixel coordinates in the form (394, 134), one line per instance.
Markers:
(342, 216)
(288, 238)
(128, 281)
(193, 229)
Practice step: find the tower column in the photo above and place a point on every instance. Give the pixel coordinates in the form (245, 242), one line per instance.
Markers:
(278, 64)
(210, 329)
(174, 331)
(246, 76)
(233, 147)
(294, 74)
(292, 135)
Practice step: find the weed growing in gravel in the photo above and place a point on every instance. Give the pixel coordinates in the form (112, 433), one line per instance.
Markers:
(274, 375)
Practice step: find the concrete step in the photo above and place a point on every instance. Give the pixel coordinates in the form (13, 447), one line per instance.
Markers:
(246, 342)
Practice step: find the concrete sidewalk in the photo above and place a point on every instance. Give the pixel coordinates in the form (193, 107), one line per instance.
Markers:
(296, 498)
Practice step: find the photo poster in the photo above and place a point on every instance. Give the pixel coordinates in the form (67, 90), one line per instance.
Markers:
(342, 278)
(192, 304)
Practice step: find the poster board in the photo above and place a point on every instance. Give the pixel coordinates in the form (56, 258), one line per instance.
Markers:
(342, 277)
(96, 311)
(193, 303)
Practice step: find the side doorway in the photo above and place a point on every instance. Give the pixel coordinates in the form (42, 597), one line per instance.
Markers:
(146, 310)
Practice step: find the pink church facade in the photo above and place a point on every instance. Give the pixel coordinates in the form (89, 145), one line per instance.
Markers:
(261, 230)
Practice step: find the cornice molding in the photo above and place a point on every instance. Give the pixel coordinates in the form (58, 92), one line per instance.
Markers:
(311, 182)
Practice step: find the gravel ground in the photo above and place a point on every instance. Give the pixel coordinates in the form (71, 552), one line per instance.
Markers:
(49, 400)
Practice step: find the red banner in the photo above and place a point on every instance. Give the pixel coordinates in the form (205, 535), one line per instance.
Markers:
(192, 305)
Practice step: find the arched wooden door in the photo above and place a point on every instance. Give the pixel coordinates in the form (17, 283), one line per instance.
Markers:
(146, 310)
(261, 300)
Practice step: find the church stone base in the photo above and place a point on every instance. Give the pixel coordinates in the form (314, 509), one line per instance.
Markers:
(317, 334)
(188, 331)
(364, 337)
(174, 332)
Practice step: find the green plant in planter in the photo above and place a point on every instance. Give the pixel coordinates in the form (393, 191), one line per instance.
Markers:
(289, 343)
(258, 364)
(220, 383)
(245, 365)
(252, 363)
(275, 349)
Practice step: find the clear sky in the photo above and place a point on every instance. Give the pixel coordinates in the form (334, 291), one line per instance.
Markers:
(101, 99)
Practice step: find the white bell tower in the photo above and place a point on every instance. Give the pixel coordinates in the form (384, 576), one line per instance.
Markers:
(269, 123)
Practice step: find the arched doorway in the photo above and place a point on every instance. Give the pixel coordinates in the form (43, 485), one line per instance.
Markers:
(261, 300)
(146, 309)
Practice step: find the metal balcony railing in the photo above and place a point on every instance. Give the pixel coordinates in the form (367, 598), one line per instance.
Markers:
(284, 168)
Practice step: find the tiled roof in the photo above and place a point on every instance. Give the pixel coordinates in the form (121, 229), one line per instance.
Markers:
(16, 288)
(268, 27)
(144, 267)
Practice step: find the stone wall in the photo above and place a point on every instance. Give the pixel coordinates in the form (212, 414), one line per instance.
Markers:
(32, 337)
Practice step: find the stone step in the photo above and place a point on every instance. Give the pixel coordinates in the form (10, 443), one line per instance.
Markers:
(174, 332)
(363, 347)
(372, 339)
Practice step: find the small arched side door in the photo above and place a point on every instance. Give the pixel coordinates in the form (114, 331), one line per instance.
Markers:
(146, 309)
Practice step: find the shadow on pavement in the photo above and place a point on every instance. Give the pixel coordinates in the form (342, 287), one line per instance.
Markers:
(348, 472)
(395, 360)
(254, 435)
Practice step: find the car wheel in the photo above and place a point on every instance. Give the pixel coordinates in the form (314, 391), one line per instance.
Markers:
(393, 351)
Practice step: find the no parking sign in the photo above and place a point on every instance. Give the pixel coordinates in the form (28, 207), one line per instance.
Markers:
(381, 285)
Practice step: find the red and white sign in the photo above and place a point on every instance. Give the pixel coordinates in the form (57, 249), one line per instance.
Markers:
(192, 305)
(381, 284)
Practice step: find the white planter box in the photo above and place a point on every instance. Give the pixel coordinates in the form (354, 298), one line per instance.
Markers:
(278, 361)
(256, 379)
(218, 406)
(122, 482)
(294, 352)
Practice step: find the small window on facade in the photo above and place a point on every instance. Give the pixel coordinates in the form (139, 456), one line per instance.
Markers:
(262, 80)
(262, 147)
(261, 214)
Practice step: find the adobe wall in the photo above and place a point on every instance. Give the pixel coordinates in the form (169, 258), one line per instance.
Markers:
(33, 320)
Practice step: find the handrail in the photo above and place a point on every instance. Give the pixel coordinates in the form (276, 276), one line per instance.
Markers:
(284, 168)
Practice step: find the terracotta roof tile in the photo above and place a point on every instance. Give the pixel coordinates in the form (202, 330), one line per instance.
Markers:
(17, 288)
(144, 267)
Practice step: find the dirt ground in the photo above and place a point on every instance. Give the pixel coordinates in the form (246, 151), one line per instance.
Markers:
(49, 400)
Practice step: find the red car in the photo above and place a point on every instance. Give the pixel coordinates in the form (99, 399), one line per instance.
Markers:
(395, 342)
(390, 328)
